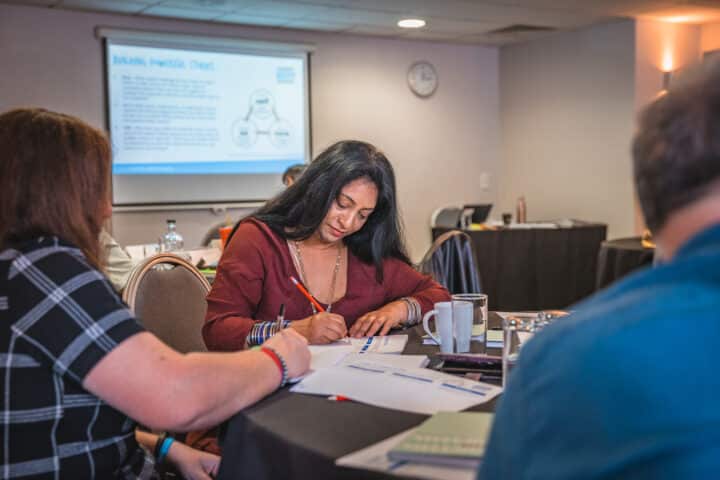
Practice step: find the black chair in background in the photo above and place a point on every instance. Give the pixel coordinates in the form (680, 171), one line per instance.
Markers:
(451, 262)
(480, 212)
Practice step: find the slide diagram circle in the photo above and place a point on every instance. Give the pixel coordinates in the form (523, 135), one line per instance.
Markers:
(244, 133)
(281, 133)
(262, 104)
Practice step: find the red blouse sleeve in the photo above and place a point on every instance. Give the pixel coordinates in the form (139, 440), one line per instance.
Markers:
(236, 291)
(402, 280)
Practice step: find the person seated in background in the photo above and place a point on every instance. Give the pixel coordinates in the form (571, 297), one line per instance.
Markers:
(337, 230)
(68, 340)
(292, 173)
(627, 385)
(117, 262)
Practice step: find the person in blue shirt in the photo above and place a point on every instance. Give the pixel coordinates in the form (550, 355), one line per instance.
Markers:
(628, 385)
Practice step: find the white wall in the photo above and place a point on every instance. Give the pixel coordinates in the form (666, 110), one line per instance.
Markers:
(567, 116)
(439, 146)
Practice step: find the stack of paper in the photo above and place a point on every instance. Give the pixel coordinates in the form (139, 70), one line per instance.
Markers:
(416, 390)
(455, 439)
(379, 349)
(375, 457)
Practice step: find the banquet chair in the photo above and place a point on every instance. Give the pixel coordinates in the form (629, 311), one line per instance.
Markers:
(451, 262)
(446, 217)
(167, 295)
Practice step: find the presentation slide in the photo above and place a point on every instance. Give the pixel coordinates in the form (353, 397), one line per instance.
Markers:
(176, 111)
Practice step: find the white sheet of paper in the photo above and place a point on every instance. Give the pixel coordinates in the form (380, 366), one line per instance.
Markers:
(373, 348)
(375, 458)
(400, 361)
(416, 390)
(386, 344)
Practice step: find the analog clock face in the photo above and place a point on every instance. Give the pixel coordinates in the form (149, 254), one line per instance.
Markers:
(422, 79)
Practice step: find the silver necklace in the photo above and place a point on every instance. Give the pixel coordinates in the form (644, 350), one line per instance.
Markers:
(303, 277)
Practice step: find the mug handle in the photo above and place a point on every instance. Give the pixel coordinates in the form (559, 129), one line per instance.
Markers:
(426, 327)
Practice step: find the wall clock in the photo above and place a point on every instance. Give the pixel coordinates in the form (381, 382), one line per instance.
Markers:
(422, 78)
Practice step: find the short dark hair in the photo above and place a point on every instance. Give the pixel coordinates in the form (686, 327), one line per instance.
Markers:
(297, 212)
(293, 171)
(676, 152)
(54, 179)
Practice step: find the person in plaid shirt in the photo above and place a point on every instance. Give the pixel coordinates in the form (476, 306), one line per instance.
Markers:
(77, 369)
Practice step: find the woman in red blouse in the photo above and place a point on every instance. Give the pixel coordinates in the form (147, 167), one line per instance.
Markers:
(336, 230)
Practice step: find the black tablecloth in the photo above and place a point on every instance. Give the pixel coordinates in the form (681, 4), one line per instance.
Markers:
(619, 257)
(536, 269)
(296, 436)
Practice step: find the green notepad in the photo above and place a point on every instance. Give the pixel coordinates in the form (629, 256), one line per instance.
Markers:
(447, 438)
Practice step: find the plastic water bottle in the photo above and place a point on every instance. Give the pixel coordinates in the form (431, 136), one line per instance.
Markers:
(171, 241)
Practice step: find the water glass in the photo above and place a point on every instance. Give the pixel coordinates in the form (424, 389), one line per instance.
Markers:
(476, 324)
(531, 323)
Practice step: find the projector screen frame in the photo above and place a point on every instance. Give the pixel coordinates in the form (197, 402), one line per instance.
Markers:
(204, 43)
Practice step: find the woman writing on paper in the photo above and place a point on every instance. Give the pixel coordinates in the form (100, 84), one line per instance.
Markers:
(337, 231)
(67, 339)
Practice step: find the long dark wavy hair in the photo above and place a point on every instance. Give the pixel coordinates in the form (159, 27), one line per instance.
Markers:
(297, 212)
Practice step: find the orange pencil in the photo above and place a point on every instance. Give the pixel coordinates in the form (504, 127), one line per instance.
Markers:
(304, 291)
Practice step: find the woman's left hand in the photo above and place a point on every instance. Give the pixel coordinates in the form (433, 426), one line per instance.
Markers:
(193, 464)
(379, 322)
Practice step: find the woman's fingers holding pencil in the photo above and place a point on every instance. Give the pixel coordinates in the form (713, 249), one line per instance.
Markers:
(321, 328)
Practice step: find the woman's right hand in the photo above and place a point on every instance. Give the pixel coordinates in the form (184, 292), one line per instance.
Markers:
(292, 347)
(321, 328)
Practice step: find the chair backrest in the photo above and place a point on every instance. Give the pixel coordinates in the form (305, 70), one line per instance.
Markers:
(167, 295)
(451, 261)
(446, 217)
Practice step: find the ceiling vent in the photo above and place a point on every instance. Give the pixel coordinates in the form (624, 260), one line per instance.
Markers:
(520, 28)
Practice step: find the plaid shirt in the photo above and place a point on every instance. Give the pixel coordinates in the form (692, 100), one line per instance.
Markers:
(59, 318)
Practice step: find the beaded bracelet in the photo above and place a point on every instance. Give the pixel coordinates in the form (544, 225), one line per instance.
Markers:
(280, 362)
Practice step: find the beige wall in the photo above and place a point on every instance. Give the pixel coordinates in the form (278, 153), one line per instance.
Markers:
(660, 47)
(710, 37)
(567, 108)
(439, 146)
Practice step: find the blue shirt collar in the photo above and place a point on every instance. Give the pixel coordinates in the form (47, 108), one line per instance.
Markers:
(707, 237)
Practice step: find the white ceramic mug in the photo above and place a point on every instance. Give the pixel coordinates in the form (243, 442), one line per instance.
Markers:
(443, 313)
(462, 312)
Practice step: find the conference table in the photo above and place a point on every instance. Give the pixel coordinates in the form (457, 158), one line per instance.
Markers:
(297, 436)
(524, 269)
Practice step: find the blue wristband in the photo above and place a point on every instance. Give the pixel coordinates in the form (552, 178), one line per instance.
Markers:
(164, 449)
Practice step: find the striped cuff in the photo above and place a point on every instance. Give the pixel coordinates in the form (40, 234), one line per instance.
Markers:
(261, 331)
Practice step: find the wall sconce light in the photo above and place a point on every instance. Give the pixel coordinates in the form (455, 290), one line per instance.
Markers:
(667, 78)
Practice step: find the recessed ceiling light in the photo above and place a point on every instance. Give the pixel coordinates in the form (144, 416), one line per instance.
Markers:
(411, 23)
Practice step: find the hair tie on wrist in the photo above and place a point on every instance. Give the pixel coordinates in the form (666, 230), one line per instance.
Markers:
(162, 447)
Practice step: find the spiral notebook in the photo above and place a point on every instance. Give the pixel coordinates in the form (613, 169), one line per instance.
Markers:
(455, 439)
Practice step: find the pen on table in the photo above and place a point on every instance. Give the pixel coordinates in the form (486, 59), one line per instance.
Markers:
(280, 318)
(338, 398)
